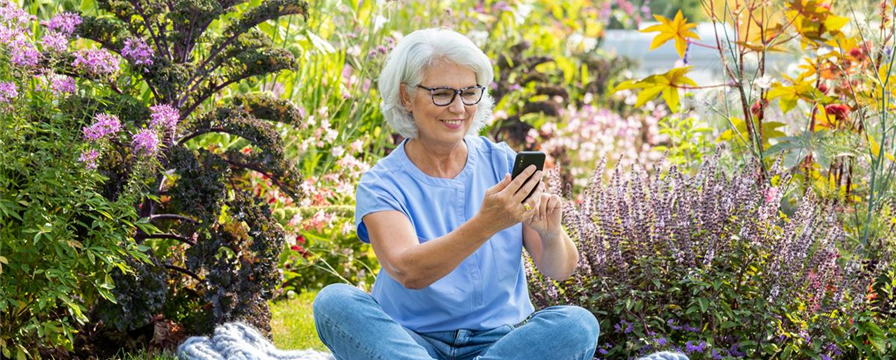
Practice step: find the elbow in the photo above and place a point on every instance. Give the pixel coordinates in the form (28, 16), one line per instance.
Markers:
(408, 278)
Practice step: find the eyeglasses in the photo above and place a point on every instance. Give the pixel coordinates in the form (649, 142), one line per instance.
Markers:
(444, 96)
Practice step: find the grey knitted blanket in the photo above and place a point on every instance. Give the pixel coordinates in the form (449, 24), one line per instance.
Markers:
(238, 341)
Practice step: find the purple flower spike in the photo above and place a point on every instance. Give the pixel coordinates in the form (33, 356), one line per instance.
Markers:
(104, 125)
(145, 142)
(88, 157)
(137, 51)
(23, 53)
(164, 117)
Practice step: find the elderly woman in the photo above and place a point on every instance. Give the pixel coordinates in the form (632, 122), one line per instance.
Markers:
(448, 225)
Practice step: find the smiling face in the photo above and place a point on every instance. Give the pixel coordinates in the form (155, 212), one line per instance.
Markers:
(444, 125)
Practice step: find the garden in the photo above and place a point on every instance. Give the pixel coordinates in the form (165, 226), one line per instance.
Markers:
(168, 166)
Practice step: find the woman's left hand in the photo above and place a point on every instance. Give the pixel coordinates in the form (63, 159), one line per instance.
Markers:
(546, 213)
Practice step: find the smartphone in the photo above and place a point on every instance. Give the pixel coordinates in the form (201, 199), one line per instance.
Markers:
(523, 160)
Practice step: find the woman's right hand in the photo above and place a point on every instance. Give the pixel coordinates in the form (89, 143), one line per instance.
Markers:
(503, 207)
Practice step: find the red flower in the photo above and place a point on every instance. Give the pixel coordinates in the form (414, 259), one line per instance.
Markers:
(297, 247)
(839, 111)
(757, 107)
(823, 88)
(301, 239)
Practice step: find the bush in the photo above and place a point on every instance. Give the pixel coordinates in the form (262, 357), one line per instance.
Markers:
(61, 239)
(710, 265)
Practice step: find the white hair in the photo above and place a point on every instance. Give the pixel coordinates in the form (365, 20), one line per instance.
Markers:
(412, 56)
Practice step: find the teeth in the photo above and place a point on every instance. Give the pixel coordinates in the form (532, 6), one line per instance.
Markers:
(453, 122)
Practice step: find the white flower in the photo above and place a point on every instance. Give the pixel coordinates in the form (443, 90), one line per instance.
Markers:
(765, 82)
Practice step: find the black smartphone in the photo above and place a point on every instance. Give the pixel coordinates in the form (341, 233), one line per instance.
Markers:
(523, 160)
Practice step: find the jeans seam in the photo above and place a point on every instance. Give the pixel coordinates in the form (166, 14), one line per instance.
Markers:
(357, 344)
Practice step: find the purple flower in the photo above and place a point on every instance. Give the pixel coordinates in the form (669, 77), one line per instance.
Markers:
(55, 41)
(692, 348)
(23, 53)
(661, 341)
(62, 84)
(164, 117)
(137, 51)
(88, 157)
(64, 23)
(8, 91)
(96, 62)
(624, 326)
(10, 12)
(105, 124)
(145, 142)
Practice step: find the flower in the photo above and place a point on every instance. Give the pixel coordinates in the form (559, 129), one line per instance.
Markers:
(8, 91)
(96, 62)
(164, 117)
(692, 348)
(839, 111)
(88, 157)
(61, 84)
(105, 124)
(64, 23)
(137, 51)
(55, 41)
(145, 142)
(23, 53)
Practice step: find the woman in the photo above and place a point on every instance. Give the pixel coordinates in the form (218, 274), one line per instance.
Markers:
(448, 224)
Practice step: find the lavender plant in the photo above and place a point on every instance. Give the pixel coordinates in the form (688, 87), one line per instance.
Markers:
(711, 265)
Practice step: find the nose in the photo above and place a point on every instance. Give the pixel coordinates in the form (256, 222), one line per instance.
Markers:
(457, 106)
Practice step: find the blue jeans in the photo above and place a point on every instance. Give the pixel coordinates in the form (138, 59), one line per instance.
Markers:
(353, 325)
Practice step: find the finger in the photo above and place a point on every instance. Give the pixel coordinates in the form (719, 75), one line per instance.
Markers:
(527, 188)
(545, 205)
(518, 182)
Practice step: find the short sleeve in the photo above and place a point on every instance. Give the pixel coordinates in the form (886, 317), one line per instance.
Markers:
(373, 195)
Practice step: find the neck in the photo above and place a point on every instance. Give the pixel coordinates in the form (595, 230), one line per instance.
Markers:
(437, 160)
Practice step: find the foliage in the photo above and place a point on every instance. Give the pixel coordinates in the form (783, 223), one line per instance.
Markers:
(707, 264)
(211, 248)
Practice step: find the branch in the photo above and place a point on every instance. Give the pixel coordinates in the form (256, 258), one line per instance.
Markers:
(205, 96)
(166, 236)
(172, 217)
(185, 271)
(205, 131)
(260, 170)
(155, 39)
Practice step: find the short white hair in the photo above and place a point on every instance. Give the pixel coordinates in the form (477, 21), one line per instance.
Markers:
(412, 56)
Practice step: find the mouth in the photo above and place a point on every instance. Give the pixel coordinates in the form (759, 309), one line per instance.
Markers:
(453, 122)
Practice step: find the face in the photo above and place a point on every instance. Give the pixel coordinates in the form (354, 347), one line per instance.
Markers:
(441, 124)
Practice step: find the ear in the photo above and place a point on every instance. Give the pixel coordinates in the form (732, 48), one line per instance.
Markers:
(406, 100)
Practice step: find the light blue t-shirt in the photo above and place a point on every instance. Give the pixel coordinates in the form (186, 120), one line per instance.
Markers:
(488, 289)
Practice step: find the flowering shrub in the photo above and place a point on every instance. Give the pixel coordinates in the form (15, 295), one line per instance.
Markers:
(709, 265)
(209, 247)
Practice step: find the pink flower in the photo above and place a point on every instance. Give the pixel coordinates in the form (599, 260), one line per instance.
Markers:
(88, 157)
(55, 41)
(64, 23)
(62, 84)
(96, 62)
(770, 194)
(145, 142)
(164, 117)
(105, 125)
(136, 50)
(357, 146)
(8, 91)
(23, 53)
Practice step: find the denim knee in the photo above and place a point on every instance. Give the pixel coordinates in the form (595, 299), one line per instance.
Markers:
(582, 324)
(333, 299)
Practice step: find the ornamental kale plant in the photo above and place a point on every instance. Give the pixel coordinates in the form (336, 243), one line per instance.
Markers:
(209, 246)
(218, 245)
(710, 265)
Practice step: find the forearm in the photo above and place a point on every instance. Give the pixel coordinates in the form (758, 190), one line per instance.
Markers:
(426, 263)
(559, 256)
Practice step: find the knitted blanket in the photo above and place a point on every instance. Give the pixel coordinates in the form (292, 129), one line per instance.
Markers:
(238, 341)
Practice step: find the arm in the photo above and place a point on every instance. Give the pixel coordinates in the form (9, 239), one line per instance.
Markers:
(417, 265)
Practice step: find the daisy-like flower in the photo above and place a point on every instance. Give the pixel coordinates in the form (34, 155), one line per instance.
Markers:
(164, 117)
(88, 157)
